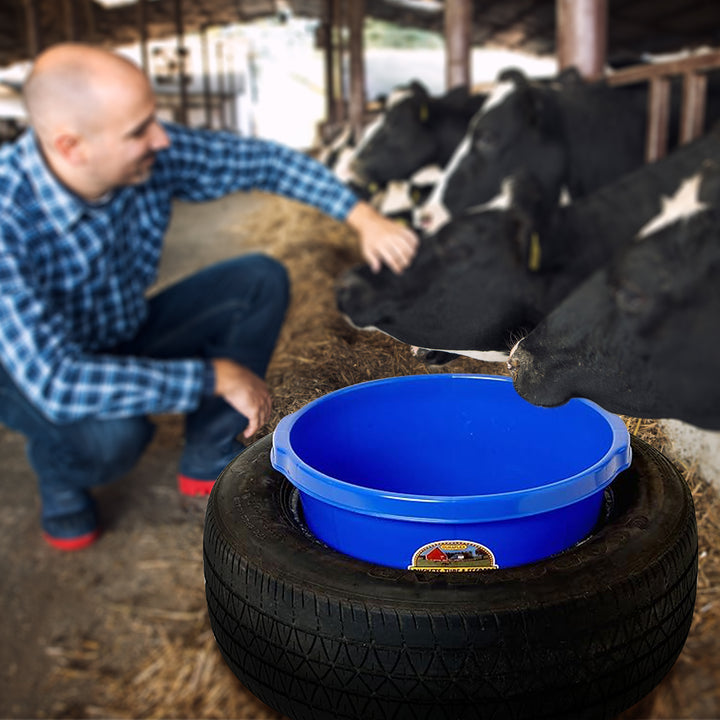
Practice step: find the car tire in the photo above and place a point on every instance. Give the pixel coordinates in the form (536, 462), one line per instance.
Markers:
(319, 635)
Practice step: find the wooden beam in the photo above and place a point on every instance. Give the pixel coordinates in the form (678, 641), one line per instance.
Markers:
(458, 35)
(356, 21)
(581, 28)
(701, 61)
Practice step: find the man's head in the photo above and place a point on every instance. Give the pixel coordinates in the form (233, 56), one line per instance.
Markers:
(94, 114)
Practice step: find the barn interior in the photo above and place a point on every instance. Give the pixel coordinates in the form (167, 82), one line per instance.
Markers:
(121, 629)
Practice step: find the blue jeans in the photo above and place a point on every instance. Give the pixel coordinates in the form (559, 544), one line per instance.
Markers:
(232, 310)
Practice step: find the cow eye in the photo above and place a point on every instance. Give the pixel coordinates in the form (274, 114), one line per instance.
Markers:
(484, 140)
(631, 300)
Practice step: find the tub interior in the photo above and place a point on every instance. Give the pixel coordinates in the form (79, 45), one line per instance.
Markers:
(460, 436)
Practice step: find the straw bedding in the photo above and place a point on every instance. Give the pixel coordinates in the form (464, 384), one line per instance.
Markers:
(182, 673)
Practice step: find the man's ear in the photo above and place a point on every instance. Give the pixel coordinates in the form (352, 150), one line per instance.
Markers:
(70, 148)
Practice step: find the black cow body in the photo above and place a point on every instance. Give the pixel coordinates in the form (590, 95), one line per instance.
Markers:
(640, 336)
(573, 136)
(489, 276)
(415, 130)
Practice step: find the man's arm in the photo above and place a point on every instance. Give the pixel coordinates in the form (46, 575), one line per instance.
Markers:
(201, 165)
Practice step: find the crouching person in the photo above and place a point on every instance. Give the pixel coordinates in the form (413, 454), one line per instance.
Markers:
(85, 355)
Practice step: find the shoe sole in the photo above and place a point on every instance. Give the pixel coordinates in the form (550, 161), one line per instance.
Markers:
(70, 544)
(190, 486)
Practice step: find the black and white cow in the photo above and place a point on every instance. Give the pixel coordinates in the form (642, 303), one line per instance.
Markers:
(640, 336)
(415, 130)
(491, 275)
(573, 136)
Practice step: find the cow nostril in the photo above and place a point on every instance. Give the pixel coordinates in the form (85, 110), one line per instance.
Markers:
(349, 292)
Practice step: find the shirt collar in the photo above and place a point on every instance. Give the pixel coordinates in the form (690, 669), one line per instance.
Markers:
(61, 205)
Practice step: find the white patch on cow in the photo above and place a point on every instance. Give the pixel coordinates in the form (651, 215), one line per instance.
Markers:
(502, 201)
(497, 96)
(396, 198)
(565, 197)
(340, 141)
(484, 355)
(397, 96)
(682, 205)
(343, 168)
(426, 176)
(398, 195)
(433, 214)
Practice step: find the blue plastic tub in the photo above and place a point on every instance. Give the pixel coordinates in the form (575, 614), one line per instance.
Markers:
(449, 472)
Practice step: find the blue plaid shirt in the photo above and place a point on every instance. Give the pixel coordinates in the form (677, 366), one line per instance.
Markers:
(73, 275)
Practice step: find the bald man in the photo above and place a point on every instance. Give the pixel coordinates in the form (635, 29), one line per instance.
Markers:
(85, 356)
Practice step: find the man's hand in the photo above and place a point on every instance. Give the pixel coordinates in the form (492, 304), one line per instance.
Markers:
(245, 391)
(382, 240)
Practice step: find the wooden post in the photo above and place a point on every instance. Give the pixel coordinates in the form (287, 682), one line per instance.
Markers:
(142, 30)
(207, 99)
(180, 32)
(220, 74)
(356, 19)
(458, 34)
(339, 58)
(658, 118)
(581, 28)
(692, 121)
(89, 13)
(327, 41)
(71, 32)
(32, 25)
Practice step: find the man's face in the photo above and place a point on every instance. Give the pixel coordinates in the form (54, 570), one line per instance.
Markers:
(121, 149)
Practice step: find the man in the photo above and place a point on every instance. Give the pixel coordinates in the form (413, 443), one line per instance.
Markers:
(85, 198)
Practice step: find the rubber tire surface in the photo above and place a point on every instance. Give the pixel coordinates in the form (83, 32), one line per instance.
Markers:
(318, 635)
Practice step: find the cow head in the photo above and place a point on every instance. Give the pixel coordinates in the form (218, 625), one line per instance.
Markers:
(411, 132)
(468, 289)
(639, 337)
(399, 141)
(518, 126)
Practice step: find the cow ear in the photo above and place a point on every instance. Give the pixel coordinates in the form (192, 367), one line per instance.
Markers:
(570, 76)
(513, 75)
(528, 218)
(419, 89)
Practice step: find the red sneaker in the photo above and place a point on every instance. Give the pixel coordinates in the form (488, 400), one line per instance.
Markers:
(194, 486)
(73, 543)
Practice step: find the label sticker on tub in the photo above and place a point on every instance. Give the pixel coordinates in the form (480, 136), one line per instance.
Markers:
(453, 556)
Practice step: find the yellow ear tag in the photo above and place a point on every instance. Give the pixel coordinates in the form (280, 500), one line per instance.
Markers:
(373, 187)
(535, 253)
(424, 113)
